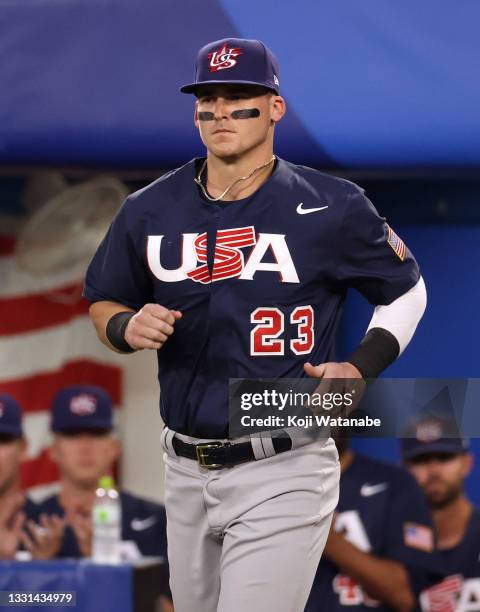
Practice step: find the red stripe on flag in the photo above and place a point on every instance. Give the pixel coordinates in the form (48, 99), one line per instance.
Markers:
(38, 471)
(35, 393)
(39, 311)
(7, 245)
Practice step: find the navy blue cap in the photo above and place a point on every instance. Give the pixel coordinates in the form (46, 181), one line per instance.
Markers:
(235, 60)
(81, 407)
(433, 436)
(10, 416)
(434, 429)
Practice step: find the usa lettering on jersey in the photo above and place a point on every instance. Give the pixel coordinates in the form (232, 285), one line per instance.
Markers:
(453, 594)
(350, 592)
(229, 259)
(443, 596)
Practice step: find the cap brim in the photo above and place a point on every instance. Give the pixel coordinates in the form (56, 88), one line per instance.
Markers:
(11, 431)
(192, 87)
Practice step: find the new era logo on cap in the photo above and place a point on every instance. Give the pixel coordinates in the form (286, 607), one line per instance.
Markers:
(1, 409)
(223, 58)
(83, 404)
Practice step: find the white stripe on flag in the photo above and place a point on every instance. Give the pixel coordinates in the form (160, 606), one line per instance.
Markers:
(47, 350)
(17, 283)
(36, 427)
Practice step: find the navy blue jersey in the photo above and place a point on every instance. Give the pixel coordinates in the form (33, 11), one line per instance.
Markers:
(459, 591)
(260, 281)
(381, 511)
(143, 522)
(31, 510)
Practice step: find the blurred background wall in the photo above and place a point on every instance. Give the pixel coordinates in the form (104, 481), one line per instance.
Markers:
(384, 94)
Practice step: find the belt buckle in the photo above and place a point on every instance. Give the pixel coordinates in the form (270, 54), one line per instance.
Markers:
(200, 450)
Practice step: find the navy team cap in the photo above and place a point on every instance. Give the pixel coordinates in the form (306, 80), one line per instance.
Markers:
(81, 407)
(10, 416)
(235, 60)
(433, 436)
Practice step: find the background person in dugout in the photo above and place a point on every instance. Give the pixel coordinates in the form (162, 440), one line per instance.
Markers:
(84, 449)
(18, 514)
(247, 518)
(380, 551)
(439, 459)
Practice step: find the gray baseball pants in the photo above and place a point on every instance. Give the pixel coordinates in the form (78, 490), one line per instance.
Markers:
(248, 538)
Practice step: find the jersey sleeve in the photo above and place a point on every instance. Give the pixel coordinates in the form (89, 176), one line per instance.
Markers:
(372, 258)
(117, 271)
(409, 536)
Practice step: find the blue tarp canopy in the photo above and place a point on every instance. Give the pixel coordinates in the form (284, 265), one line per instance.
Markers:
(368, 84)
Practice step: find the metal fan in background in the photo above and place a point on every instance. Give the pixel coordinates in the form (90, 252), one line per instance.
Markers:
(63, 234)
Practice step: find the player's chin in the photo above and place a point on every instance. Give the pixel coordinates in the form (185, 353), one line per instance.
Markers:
(436, 495)
(225, 150)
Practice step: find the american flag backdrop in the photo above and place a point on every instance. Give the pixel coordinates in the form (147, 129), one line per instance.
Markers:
(46, 342)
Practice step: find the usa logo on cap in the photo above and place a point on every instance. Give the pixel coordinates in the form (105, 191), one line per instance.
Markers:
(224, 58)
(83, 404)
(428, 432)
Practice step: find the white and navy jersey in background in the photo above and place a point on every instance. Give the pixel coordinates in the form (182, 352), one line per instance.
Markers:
(381, 511)
(459, 591)
(260, 281)
(143, 522)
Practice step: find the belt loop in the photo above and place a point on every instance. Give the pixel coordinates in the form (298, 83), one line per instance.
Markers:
(167, 440)
(257, 447)
(267, 443)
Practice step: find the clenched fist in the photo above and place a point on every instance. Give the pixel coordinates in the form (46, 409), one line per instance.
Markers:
(151, 327)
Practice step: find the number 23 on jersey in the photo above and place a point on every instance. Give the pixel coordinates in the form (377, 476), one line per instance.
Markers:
(266, 336)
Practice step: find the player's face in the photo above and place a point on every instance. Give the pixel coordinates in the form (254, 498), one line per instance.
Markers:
(226, 137)
(441, 476)
(83, 457)
(12, 451)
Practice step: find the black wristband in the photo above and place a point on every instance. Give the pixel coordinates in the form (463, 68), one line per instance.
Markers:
(378, 349)
(115, 331)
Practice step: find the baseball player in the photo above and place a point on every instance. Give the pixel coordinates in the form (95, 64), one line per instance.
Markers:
(380, 551)
(236, 265)
(18, 513)
(85, 449)
(441, 462)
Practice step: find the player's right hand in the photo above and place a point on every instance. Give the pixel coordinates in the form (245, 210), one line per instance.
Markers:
(151, 327)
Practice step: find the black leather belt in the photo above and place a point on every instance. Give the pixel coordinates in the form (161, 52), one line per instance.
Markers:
(217, 455)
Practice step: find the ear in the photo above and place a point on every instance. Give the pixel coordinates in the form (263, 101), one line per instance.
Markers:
(195, 114)
(53, 450)
(23, 449)
(468, 462)
(116, 448)
(278, 108)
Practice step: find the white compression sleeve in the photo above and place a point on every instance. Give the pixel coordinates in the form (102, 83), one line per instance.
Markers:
(402, 316)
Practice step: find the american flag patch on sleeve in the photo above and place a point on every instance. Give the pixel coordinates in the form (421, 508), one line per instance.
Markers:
(418, 536)
(396, 243)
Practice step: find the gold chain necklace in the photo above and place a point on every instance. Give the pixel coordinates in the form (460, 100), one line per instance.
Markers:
(198, 180)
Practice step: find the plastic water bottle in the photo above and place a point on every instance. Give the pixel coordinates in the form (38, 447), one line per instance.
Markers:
(107, 521)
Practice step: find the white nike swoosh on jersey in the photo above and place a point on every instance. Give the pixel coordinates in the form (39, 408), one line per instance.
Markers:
(142, 524)
(368, 489)
(305, 211)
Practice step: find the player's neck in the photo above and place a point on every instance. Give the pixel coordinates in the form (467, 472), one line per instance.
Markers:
(73, 496)
(223, 172)
(450, 522)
